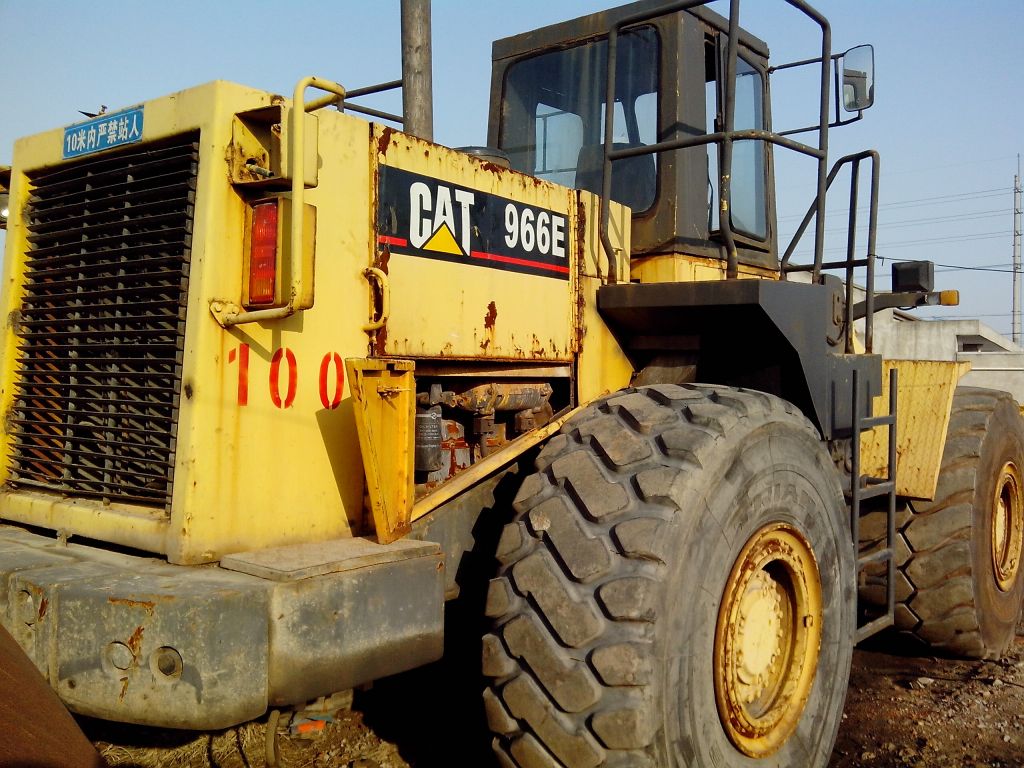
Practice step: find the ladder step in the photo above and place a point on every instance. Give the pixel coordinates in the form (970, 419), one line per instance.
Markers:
(873, 627)
(881, 556)
(877, 421)
(873, 490)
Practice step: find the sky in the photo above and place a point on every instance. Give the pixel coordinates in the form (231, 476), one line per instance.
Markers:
(948, 117)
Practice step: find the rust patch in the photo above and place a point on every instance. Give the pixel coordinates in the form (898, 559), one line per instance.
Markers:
(43, 605)
(494, 168)
(382, 259)
(581, 240)
(490, 320)
(124, 689)
(384, 140)
(135, 641)
(380, 341)
(536, 348)
(147, 605)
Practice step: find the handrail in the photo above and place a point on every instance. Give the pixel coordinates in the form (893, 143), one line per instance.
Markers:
(851, 262)
(724, 138)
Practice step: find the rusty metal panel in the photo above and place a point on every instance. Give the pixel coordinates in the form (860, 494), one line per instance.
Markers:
(479, 259)
(368, 622)
(137, 640)
(37, 728)
(925, 395)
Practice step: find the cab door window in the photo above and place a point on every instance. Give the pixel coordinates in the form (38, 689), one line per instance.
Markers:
(749, 204)
(748, 172)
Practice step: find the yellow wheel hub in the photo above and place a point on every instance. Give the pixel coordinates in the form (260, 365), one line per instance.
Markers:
(1007, 526)
(767, 639)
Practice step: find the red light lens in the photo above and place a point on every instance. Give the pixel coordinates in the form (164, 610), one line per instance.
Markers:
(263, 254)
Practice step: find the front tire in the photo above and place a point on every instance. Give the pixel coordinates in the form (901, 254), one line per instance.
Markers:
(676, 589)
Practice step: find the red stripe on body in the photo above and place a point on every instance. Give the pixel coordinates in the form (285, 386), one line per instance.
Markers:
(519, 262)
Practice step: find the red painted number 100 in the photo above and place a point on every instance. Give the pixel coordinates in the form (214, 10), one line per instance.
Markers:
(283, 381)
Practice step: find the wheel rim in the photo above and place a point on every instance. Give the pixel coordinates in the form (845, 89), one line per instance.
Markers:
(1007, 526)
(767, 639)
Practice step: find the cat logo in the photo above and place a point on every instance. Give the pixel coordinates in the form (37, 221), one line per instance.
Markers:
(437, 232)
(424, 217)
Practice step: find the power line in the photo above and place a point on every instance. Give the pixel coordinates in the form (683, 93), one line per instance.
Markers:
(916, 202)
(967, 238)
(986, 268)
(862, 225)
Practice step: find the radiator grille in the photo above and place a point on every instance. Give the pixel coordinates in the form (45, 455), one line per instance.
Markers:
(102, 324)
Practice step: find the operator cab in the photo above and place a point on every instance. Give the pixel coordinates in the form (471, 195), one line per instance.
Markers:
(691, 131)
(548, 112)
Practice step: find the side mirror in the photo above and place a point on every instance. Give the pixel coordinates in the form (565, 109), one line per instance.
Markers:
(858, 78)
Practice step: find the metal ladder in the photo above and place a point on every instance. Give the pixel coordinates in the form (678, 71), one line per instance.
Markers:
(867, 487)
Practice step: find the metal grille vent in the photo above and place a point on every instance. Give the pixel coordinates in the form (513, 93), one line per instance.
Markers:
(102, 324)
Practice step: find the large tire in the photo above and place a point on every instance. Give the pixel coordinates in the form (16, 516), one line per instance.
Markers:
(654, 516)
(959, 583)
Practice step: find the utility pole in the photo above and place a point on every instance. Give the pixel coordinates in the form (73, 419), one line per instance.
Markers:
(417, 70)
(1016, 255)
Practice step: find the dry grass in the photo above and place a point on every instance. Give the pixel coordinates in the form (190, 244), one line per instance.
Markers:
(345, 743)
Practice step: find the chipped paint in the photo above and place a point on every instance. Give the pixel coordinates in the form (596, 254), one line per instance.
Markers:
(385, 140)
(135, 642)
(147, 605)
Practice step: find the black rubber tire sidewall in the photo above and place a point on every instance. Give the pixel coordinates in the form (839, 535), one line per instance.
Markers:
(998, 611)
(768, 480)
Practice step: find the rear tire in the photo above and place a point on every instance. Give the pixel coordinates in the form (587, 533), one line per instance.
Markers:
(960, 583)
(676, 589)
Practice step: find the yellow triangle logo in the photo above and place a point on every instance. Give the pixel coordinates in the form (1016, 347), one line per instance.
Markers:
(443, 241)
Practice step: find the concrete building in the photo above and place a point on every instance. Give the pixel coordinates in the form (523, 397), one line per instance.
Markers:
(996, 362)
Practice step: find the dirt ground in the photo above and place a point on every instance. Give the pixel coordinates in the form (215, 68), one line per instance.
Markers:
(902, 711)
(923, 712)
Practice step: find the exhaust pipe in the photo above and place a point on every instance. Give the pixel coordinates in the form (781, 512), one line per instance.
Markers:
(417, 79)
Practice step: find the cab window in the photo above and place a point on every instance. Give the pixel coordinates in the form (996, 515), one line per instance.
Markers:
(749, 182)
(553, 114)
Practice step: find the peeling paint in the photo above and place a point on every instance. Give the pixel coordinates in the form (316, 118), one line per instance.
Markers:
(135, 641)
(382, 259)
(385, 140)
(147, 605)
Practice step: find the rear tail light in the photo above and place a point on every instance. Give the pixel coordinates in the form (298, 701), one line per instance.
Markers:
(263, 254)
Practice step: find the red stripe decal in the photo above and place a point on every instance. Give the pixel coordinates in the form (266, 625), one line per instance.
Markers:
(400, 242)
(520, 262)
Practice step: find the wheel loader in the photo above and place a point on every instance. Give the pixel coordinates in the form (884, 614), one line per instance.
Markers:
(275, 376)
